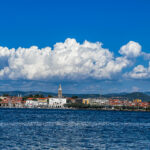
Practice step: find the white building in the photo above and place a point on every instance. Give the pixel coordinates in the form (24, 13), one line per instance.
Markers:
(31, 103)
(3, 97)
(56, 102)
(98, 101)
(42, 102)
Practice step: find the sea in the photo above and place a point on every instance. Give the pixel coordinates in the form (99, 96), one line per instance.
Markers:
(58, 129)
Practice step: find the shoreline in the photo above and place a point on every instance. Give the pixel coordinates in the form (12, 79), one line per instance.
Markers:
(98, 109)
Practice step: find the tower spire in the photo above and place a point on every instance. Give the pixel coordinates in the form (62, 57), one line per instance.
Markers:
(59, 91)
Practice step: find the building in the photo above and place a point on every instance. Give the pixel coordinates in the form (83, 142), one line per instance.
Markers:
(116, 102)
(71, 100)
(144, 104)
(11, 102)
(4, 102)
(36, 102)
(3, 97)
(99, 101)
(16, 102)
(56, 102)
(42, 102)
(137, 100)
(78, 100)
(60, 91)
(31, 103)
(85, 101)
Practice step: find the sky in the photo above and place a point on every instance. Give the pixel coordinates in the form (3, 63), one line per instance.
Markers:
(89, 46)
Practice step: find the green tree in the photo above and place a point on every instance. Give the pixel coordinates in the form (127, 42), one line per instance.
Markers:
(5, 94)
(34, 99)
(50, 95)
(74, 97)
(30, 95)
(38, 96)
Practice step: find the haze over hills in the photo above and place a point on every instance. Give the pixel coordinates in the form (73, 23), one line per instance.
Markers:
(145, 96)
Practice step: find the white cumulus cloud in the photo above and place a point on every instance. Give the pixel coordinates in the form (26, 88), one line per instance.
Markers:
(131, 49)
(139, 72)
(67, 60)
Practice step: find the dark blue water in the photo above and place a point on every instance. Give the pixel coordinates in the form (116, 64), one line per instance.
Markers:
(73, 129)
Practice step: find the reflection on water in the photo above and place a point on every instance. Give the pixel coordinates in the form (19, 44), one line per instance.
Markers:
(73, 129)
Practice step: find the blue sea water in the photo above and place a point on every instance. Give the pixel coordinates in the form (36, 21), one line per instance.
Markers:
(27, 129)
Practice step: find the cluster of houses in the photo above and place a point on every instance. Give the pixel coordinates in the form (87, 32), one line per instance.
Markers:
(18, 102)
(55, 102)
(110, 102)
(134, 103)
(60, 101)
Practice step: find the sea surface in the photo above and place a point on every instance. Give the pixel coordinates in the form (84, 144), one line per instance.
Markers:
(41, 129)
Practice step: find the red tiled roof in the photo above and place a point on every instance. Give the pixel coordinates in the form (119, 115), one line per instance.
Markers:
(30, 98)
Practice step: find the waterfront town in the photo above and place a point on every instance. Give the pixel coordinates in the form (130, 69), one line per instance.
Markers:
(60, 102)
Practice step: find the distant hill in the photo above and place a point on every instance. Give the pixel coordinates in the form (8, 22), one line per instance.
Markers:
(139, 95)
(147, 93)
(122, 96)
(129, 96)
(23, 93)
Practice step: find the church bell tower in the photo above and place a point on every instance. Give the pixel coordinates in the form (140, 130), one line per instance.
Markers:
(60, 91)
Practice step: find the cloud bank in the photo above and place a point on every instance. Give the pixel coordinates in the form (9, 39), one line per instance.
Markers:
(69, 60)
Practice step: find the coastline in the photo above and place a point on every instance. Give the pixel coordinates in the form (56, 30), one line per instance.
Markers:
(97, 109)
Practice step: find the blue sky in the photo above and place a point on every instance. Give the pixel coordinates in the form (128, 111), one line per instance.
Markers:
(44, 23)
